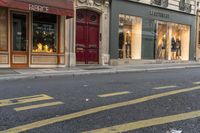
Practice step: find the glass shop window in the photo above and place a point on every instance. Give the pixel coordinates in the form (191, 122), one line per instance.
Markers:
(3, 29)
(130, 37)
(173, 41)
(44, 33)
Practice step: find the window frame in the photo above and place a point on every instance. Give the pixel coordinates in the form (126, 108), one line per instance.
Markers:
(5, 50)
(57, 37)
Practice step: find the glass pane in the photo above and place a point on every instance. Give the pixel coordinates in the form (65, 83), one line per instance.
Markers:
(130, 37)
(162, 43)
(19, 32)
(44, 33)
(180, 39)
(3, 29)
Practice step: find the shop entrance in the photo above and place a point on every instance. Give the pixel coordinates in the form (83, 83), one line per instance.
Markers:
(19, 40)
(87, 37)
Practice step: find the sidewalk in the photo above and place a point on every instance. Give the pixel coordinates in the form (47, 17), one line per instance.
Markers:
(11, 74)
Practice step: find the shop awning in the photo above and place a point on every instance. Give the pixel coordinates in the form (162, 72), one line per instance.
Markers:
(58, 7)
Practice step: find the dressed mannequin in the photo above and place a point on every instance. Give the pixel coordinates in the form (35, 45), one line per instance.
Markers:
(178, 48)
(128, 45)
(173, 47)
(164, 46)
(121, 43)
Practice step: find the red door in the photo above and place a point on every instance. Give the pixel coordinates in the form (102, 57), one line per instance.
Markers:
(87, 37)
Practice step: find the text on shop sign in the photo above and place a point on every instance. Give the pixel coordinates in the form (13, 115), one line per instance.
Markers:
(38, 8)
(159, 14)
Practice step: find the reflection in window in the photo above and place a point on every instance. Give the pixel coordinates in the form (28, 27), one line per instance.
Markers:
(161, 51)
(3, 29)
(19, 32)
(130, 29)
(172, 41)
(44, 32)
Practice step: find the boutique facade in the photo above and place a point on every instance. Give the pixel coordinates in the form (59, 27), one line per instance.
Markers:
(142, 31)
(32, 33)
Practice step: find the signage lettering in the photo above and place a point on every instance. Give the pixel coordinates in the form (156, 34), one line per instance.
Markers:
(38, 8)
(159, 14)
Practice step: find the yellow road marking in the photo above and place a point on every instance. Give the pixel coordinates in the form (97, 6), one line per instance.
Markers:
(196, 83)
(147, 123)
(21, 100)
(38, 106)
(114, 94)
(164, 87)
(53, 120)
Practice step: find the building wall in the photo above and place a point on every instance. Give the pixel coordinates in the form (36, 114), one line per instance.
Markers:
(172, 4)
(100, 7)
(198, 35)
(144, 11)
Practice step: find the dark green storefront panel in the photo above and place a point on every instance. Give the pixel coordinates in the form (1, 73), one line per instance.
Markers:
(148, 39)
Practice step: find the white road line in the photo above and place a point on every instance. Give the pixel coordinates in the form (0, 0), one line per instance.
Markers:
(114, 94)
(164, 87)
(196, 83)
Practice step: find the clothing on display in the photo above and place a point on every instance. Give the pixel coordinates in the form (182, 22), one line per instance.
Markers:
(164, 43)
(121, 43)
(128, 45)
(173, 43)
(178, 48)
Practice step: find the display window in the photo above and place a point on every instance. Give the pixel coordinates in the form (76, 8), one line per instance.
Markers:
(3, 29)
(130, 37)
(162, 41)
(172, 41)
(44, 33)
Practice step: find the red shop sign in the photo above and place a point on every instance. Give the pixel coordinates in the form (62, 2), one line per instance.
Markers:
(58, 7)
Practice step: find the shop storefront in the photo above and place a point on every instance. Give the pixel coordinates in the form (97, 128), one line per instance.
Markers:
(140, 32)
(32, 33)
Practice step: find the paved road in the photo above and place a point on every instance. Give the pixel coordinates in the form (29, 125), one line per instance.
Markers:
(140, 102)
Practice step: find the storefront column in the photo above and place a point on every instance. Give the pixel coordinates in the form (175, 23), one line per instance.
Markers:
(70, 55)
(104, 53)
(169, 47)
(197, 37)
(61, 57)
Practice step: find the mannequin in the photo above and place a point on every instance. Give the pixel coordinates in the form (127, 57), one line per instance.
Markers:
(121, 43)
(173, 47)
(178, 48)
(128, 45)
(164, 45)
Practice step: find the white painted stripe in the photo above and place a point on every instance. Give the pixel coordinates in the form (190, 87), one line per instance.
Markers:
(114, 94)
(164, 87)
(196, 83)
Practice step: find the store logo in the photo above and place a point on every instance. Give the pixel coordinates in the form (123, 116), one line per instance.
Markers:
(38, 8)
(159, 14)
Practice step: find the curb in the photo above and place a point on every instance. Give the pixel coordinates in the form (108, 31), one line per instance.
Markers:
(86, 72)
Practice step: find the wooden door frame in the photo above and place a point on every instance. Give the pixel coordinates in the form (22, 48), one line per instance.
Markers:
(20, 65)
(87, 24)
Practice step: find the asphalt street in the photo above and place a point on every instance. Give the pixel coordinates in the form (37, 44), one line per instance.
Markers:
(139, 102)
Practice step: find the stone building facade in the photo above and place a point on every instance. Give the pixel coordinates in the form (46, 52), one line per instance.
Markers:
(88, 39)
